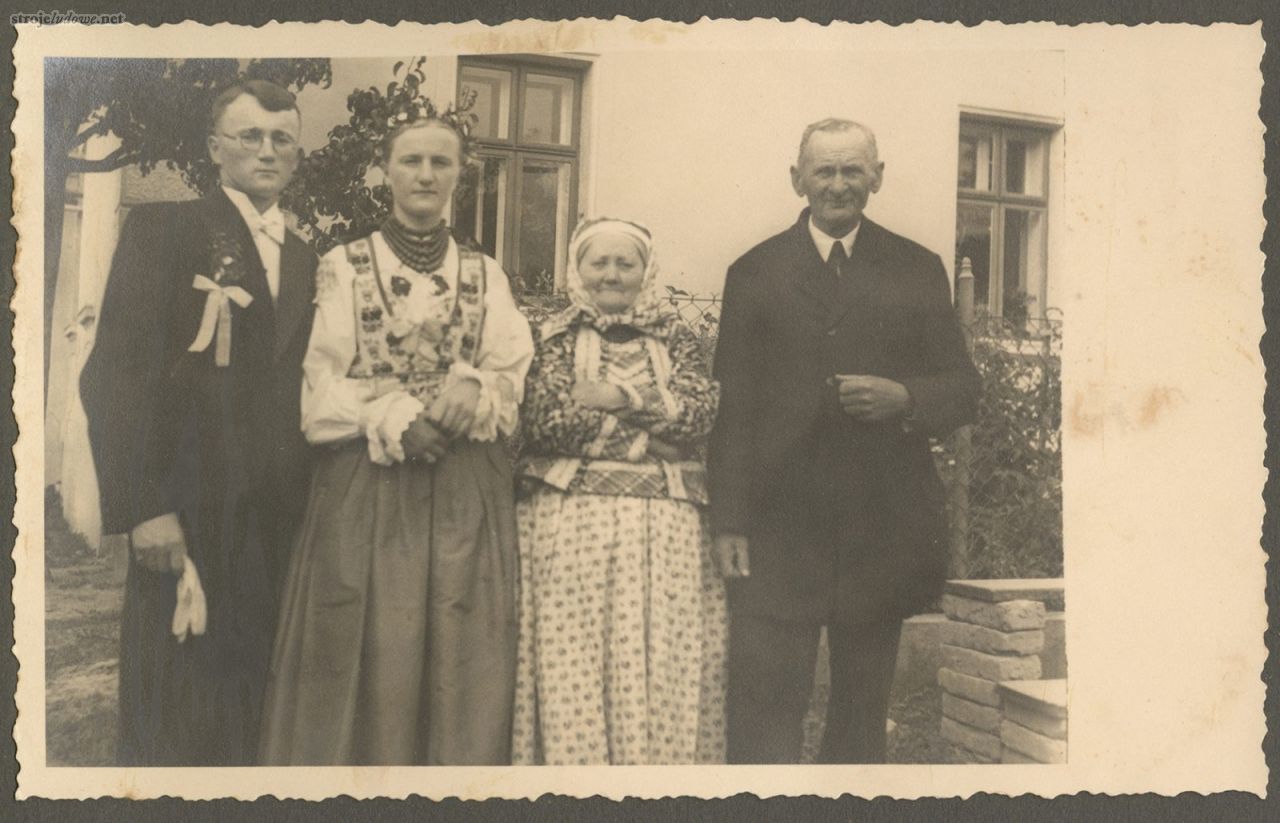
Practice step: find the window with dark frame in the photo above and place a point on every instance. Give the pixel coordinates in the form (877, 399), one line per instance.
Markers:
(521, 203)
(1002, 213)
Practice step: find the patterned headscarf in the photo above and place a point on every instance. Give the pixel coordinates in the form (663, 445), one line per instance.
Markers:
(649, 313)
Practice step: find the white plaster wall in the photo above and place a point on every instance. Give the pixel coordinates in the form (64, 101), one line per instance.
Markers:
(698, 145)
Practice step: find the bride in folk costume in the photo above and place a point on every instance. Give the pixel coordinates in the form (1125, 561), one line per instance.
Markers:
(397, 638)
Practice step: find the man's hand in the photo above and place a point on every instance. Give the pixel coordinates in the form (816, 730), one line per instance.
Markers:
(159, 545)
(731, 555)
(870, 398)
(597, 395)
(663, 450)
(454, 410)
(423, 441)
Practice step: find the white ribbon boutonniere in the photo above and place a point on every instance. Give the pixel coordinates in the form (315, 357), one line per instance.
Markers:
(217, 317)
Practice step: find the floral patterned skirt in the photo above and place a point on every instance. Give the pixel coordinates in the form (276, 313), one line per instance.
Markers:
(622, 633)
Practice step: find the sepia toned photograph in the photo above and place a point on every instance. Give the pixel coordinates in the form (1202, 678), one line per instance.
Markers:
(561, 407)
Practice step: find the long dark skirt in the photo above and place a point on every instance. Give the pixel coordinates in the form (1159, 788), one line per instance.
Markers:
(397, 638)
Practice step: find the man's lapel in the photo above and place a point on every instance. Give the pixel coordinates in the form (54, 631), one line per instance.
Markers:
(857, 284)
(811, 279)
(296, 284)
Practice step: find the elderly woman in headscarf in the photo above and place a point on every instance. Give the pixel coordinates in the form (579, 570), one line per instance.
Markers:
(622, 618)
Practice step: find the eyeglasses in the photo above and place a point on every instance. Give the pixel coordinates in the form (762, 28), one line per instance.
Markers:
(251, 140)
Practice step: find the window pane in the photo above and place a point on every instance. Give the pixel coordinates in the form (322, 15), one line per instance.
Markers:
(975, 161)
(548, 110)
(1024, 158)
(544, 223)
(482, 207)
(492, 106)
(973, 240)
(1024, 263)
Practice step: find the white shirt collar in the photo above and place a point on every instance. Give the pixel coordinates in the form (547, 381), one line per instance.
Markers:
(252, 217)
(825, 242)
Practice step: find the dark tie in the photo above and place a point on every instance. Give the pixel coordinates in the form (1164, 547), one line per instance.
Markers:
(838, 259)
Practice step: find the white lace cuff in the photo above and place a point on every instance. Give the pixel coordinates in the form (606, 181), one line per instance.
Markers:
(496, 407)
(384, 422)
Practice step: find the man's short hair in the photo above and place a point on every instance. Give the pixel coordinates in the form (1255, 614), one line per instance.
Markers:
(271, 96)
(835, 124)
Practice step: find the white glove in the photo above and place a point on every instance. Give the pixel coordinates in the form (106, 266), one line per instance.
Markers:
(191, 613)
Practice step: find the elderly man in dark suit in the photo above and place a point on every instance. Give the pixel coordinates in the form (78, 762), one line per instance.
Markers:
(192, 394)
(839, 356)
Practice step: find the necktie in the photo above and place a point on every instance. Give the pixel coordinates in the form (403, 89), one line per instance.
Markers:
(838, 259)
(268, 235)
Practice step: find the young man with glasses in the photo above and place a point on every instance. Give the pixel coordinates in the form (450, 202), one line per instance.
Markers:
(192, 395)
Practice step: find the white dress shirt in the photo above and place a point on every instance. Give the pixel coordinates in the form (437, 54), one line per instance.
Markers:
(826, 242)
(268, 230)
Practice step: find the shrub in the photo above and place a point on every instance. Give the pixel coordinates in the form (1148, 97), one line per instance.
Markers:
(1014, 509)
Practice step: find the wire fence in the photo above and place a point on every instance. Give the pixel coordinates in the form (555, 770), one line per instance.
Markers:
(1003, 473)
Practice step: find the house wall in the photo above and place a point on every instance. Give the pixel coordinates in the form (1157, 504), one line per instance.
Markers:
(60, 345)
(697, 145)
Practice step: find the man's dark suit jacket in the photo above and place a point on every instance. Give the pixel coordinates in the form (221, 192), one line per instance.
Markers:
(173, 432)
(845, 519)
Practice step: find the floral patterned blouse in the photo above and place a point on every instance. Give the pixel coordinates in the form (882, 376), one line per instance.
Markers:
(579, 449)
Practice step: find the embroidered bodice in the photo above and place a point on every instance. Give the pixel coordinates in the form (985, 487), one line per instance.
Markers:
(388, 339)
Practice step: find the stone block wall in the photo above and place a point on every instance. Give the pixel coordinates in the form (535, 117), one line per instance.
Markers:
(1034, 724)
(994, 637)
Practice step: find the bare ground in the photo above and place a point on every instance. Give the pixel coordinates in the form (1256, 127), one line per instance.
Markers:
(83, 595)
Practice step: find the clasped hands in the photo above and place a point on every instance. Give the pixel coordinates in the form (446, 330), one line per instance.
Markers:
(870, 398)
(449, 417)
(595, 394)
